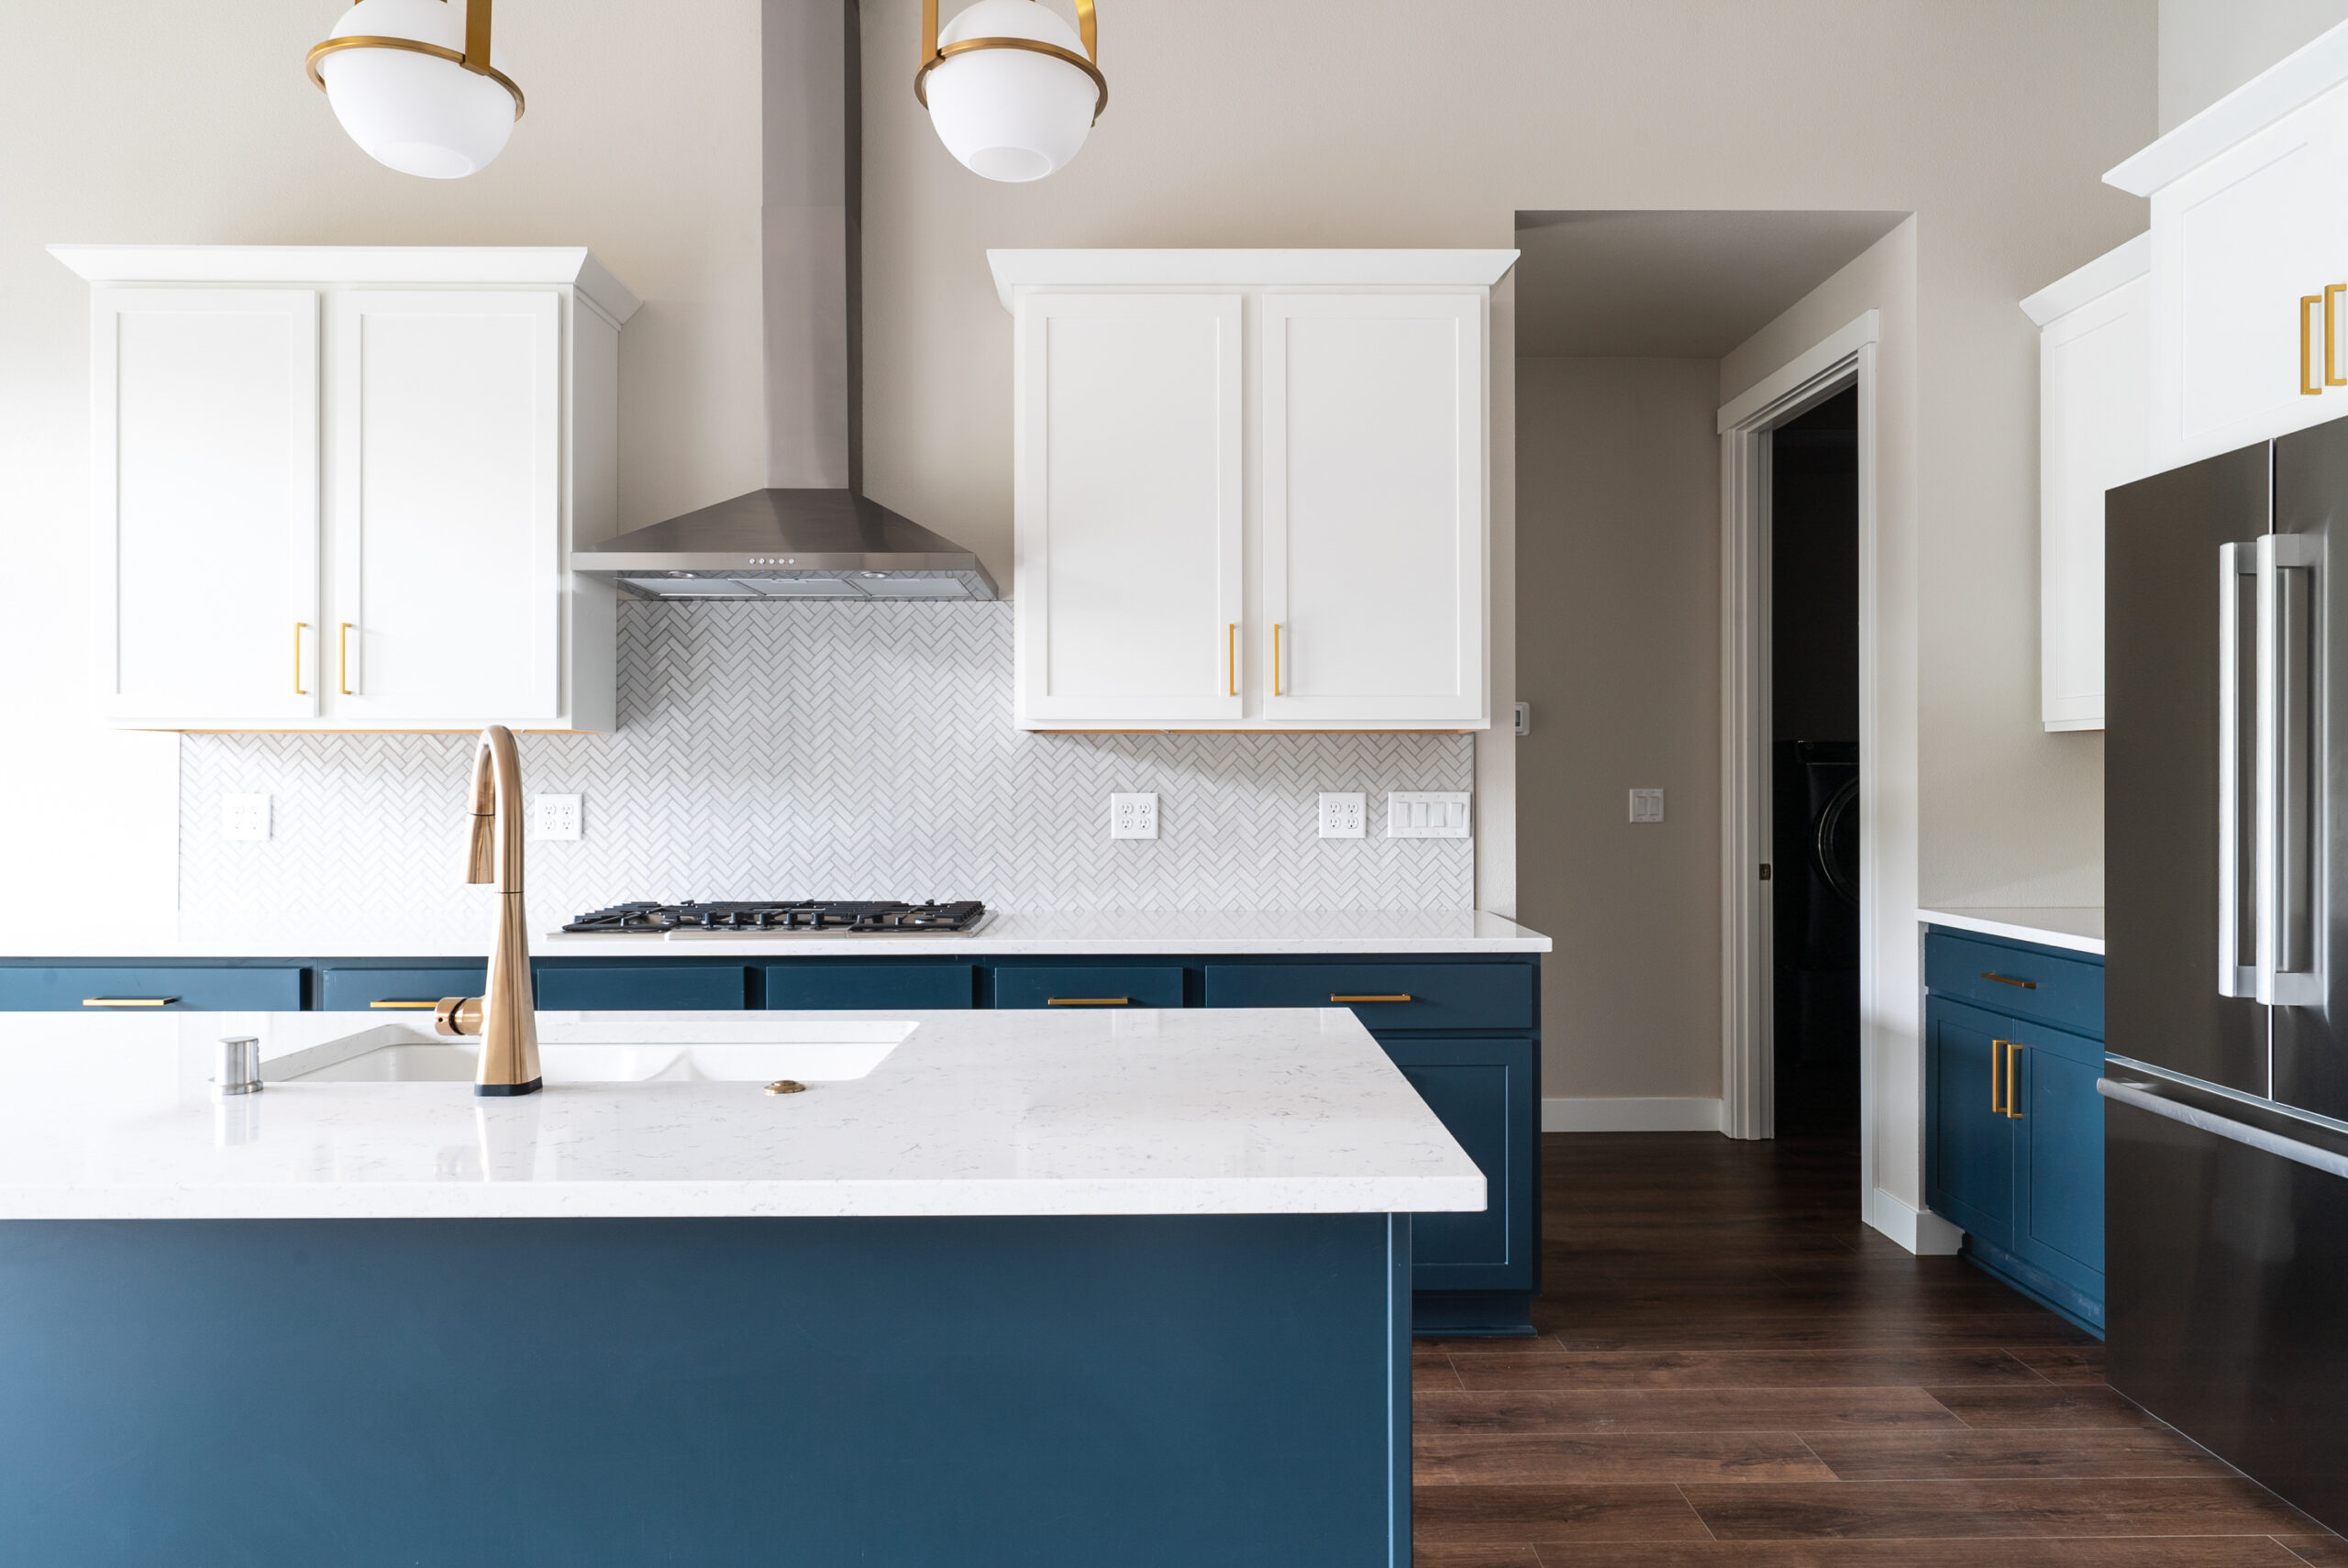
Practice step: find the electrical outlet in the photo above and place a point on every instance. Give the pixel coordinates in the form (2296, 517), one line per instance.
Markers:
(1426, 813)
(554, 816)
(1341, 815)
(1646, 805)
(244, 816)
(1133, 816)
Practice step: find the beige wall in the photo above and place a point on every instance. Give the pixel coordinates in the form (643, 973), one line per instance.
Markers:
(2208, 48)
(1618, 650)
(147, 121)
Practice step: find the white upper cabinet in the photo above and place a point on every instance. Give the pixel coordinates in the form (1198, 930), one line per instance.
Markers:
(1252, 488)
(2095, 350)
(205, 497)
(1128, 495)
(367, 527)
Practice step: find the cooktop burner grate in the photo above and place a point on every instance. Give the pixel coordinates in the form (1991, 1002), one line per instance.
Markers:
(809, 916)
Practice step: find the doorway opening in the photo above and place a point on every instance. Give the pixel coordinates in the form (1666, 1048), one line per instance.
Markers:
(1813, 684)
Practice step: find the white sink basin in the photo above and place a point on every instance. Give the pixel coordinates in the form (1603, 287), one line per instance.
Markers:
(614, 1051)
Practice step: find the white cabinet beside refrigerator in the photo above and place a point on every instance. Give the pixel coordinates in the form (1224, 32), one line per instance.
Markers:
(337, 488)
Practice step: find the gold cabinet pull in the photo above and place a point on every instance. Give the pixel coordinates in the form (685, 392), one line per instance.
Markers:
(299, 627)
(2013, 1050)
(2008, 981)
(1231, 656)
(2331, 292)
(426, 1004)
(1088, 1001)
(1399, 996)
(342, 660)
(1276, 661)
(2308, 387)
(128, 1002)
(1996, 1071)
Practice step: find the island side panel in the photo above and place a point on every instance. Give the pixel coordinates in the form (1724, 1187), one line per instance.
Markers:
(1141, 1390)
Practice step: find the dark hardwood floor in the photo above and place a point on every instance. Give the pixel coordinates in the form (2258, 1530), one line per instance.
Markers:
(1733, 1370)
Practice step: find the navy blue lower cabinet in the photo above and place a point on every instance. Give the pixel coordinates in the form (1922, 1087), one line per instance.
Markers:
(1100, 985)
(1151, 1391)
(414, 989)
(868, 984)
(1384, 996)
(2014, 1128)
(1483, 1091)
(692, 987)
(147, 988)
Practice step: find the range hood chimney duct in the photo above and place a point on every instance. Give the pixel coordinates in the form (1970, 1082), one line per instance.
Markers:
(812, 533)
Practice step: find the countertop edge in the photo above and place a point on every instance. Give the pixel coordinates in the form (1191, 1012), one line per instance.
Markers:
(1994, 924)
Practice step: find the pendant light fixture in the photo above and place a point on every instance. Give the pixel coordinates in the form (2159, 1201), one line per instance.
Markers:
(1004, 85)
(415, 84)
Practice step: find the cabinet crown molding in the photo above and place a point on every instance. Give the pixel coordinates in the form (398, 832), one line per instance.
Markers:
(474, 265)
(1369, 269)
(2313, 70)
(2120, 264)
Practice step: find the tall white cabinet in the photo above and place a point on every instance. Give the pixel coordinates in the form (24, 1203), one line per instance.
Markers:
(338, 488)
(1252, 488)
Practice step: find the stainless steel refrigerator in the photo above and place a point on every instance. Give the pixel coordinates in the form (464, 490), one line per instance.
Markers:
(2226, 1011)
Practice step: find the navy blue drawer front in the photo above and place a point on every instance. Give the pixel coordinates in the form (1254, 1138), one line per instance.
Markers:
(1156, 985)
(869, 984)
(417, 989)
(617, 987)
(2024, 982)
(149, 988)
(1386, 996)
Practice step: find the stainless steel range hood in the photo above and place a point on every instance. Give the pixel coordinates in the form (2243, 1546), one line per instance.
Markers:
(812, 533)
(789, 544)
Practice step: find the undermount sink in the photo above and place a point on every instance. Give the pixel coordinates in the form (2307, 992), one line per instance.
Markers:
(613, 1051)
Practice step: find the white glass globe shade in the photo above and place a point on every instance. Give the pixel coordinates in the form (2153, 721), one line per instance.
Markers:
(413, 112)
(1010, 114)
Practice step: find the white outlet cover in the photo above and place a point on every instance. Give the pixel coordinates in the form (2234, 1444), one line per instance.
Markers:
(1646, 805)
(1426, 813)
(1342, 814)
(554, 816)
(244, 816)
(1133, 816)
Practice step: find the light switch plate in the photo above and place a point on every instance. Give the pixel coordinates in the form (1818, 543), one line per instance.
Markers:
(244, 816)
(1133, 816)
(554, 816)
(1524, 718)
(1340, 815)
(1426, 813)
(1646, 805)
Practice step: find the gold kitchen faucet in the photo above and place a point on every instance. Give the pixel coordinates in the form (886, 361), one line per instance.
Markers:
(505, 1015)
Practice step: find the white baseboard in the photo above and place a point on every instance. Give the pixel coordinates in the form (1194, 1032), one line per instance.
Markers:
(1630, 1116)
(1918, 1230)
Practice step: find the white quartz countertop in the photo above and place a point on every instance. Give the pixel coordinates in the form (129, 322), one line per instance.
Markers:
(1005, 932)
(1125, 1111)
(2077, 927)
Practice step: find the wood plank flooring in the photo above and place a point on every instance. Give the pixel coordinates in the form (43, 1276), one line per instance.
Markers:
(1733, 1372)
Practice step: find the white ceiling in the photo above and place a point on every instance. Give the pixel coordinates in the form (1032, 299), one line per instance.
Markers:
(1685, 284)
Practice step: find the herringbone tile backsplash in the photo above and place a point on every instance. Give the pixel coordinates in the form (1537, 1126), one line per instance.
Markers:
(846, 751)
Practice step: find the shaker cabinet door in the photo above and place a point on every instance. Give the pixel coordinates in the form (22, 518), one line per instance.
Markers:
(1373, 458)
(447, 422)
(1969, 1139)
(1128, 486)
(205, 490)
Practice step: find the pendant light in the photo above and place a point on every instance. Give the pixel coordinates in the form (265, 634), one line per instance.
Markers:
(415, 84)
(1004, 85)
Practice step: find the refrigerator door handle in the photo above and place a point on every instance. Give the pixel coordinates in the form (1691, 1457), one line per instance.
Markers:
(2235, 978)
(2284, 807)
(2143, 1097)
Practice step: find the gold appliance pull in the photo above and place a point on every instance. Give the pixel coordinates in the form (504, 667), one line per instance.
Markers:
(342, 659)
(2331, 292)
(1231, 656)
(128, 1002)
(2308, 387)
(1276, 660)
(422, 1004)
(2004, 981)
(1399, 996)
(1996, 1070)
(1088, 1001)
(2014, 1051)
(299, 627)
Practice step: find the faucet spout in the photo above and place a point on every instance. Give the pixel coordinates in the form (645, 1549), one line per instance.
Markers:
(505, 1015)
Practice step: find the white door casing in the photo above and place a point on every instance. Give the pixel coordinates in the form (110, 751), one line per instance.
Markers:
(205, 491)
(1128, 495)
(1374, 508)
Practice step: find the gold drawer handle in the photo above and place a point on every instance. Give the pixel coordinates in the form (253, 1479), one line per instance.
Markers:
(2332, 291)
(1231, 656)
(1400, 997)
(1088, 1001)
(1996, 1074)
(2307, 386)
(342, 659)
(2007, 980)
(128, 1002)
(1276, 661)
(426, 1005)
(299, 627)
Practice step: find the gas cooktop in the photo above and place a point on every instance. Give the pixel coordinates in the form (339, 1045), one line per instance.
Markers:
(806, 917)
